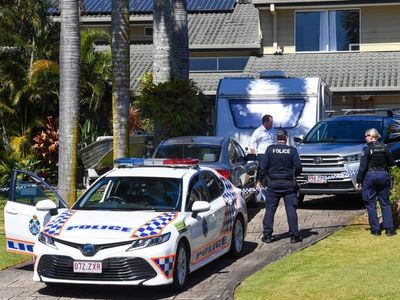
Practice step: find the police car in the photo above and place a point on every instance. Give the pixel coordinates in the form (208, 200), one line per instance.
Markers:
(146, 222)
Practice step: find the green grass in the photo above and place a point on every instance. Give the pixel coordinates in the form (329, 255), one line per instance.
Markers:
(350, 264)
(7, 259)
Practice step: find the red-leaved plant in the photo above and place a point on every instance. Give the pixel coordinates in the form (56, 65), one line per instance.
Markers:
(47, 141)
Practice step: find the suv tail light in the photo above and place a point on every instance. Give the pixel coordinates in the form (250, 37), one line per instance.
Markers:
(225, 173)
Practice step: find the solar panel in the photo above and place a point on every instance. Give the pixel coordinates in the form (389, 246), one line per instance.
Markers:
(146, 6)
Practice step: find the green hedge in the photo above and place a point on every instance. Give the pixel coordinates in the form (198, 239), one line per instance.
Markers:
(395, 194)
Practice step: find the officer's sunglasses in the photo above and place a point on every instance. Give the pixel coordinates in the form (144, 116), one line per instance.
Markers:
(367, 135)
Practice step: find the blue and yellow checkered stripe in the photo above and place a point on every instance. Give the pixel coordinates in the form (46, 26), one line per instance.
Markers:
(55, 226)
(155, 226)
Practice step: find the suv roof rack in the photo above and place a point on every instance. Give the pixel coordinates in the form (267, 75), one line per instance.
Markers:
(389, 111)
(329, 112)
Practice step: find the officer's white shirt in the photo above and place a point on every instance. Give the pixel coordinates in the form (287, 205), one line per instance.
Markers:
(262, 138)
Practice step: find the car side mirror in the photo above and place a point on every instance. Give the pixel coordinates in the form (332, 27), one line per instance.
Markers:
(47, 204)
(200, 206)
(297, 139)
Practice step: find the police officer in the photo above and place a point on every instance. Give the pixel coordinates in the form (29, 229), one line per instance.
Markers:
(278, 169)
(374, 176)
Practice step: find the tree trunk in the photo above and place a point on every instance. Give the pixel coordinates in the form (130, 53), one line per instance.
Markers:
(181, 39)
(121, 67)
(162, 38)
(69, 99)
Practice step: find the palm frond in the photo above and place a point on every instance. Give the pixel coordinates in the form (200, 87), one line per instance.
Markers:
(43, 65)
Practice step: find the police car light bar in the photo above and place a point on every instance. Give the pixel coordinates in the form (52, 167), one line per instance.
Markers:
(175, 162)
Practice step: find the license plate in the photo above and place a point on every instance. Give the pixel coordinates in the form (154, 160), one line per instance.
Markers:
(87, 267)
(317, 179)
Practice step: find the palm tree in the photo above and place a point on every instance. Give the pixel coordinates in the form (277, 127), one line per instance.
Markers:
(96, 74)
(181, 39)
(69, 99)
(162, 39)
(120, 65)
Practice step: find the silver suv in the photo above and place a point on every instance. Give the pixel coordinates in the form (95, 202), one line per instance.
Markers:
(330, 152)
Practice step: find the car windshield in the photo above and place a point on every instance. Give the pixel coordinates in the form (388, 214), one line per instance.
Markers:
(132, 193)
(204, 153)
(341, 131)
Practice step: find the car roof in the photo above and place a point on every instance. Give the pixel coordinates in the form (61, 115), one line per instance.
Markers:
(211, 140)
(358, 117)
(151, 171)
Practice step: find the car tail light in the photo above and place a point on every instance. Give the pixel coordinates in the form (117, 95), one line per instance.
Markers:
(225, 173)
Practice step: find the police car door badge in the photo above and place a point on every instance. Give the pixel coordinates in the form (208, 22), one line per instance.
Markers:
(34, 225)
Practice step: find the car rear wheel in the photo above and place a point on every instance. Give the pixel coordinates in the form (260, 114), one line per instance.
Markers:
(237, 238)
(181, 267)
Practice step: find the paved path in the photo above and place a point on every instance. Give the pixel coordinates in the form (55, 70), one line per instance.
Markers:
(318, 217)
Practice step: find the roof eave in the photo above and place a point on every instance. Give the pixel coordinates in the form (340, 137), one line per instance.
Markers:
(295, 4)
(255, 46)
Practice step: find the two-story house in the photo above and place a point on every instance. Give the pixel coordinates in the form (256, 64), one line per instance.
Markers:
(354, 45)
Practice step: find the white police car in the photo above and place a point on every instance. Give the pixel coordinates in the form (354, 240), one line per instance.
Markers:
(147, 222)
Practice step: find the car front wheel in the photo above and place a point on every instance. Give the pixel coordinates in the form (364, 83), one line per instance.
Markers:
(181, 267)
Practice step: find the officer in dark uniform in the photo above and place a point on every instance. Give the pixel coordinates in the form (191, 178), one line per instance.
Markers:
(374, 176)
(278, 169)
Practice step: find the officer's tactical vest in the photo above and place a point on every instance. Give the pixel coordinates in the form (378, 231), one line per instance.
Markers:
(377, 152)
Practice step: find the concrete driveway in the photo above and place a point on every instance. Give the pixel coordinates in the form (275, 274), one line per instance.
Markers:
(318, 217)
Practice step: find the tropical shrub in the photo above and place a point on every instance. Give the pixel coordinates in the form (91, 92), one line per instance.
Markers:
(12, 160)
(395, 194)
(177, 107)
(46, 144)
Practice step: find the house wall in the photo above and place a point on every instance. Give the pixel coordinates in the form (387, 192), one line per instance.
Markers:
(374, 101)
(380, 28)
(379, 31)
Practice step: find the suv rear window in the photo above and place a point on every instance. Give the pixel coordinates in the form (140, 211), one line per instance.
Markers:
(341, 131)
(205, 153)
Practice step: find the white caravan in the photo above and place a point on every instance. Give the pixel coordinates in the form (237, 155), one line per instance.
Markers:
(296, 104)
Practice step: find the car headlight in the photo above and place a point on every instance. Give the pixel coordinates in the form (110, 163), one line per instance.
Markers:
(352, 158)
(150, 241)
(47, 240)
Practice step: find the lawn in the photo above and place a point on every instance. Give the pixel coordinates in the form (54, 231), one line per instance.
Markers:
(350, 264)
(7, 259)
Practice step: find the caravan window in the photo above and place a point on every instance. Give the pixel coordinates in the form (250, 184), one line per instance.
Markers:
(248, 113)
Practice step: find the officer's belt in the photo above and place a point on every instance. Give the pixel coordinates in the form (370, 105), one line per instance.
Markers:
(376, 169)
(280, 179)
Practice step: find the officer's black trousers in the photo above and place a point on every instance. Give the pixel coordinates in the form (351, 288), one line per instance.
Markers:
(272, 202)
(377, 183)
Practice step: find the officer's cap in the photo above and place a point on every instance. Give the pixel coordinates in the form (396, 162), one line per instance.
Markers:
(281, 131)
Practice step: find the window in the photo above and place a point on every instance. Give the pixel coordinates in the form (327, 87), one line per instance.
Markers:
(248, 113)
(197, 192)
(29, 190)
(393, 131)
(341, 131)
(132, 193)
(328, 31)
(208, 153)
(148, 31)
(214, 185)
(204, 64)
